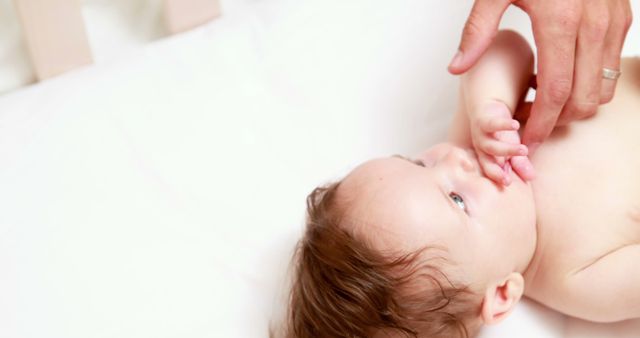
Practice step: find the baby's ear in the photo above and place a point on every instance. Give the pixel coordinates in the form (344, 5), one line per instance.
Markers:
(501, 297)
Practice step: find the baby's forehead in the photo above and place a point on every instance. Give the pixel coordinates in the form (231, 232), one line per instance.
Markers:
(371, 169)
(376, 185)
(390, 205)
(377, 174)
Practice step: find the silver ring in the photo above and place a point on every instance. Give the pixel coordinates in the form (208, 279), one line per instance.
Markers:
(610, 74)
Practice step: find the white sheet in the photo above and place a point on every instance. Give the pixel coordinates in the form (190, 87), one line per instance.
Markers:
(160, 192)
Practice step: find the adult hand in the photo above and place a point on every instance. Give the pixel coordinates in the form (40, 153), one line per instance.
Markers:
(576, 39)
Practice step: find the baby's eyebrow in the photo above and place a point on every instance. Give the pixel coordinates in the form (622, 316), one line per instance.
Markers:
(414, 161)
(445, 197)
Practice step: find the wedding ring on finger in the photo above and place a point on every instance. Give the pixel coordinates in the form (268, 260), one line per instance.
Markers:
(610, 74)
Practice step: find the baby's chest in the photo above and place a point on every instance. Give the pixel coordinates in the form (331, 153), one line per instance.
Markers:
(569, 244)
(587, 193)
(584, 214)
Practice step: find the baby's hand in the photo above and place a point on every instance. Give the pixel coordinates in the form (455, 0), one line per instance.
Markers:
(494, 134)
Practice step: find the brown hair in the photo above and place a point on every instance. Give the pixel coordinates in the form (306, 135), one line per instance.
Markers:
(343, 287)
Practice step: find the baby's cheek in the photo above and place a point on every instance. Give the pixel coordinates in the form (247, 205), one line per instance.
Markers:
(482, 248)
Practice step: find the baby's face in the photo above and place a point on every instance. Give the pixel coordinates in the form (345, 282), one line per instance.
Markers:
(442, 199)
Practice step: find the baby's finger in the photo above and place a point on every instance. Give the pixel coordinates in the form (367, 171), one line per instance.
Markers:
(492, 125)
(523, 167)
(492, 170)
(497, 148)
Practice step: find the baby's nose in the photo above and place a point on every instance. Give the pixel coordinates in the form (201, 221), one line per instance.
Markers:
(460, 158)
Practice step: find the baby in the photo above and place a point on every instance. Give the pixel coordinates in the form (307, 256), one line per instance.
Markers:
(442, 243)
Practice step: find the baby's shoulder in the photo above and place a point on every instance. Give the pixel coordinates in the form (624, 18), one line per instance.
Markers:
(581, 252)
(604, 289)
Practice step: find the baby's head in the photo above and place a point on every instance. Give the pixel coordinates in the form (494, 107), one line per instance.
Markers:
(427, 247)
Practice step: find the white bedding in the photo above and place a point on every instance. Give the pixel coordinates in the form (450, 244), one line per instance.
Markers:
(159, 193)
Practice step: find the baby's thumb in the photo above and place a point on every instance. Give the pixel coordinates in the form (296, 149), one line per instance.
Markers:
(523, 167)
(478, 33)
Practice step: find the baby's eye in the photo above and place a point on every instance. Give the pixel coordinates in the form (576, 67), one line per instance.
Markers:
(458, 200)
(418, 162)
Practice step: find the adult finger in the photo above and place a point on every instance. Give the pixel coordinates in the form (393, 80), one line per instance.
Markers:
(587, 76)
(555, 31)
(620, 23)
(479, 30)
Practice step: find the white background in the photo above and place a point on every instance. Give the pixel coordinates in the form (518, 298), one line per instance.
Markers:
(159, 192)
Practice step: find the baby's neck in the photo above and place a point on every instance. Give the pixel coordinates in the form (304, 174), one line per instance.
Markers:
(531, 268)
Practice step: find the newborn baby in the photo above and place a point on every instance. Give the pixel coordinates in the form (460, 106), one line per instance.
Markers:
(439, 244)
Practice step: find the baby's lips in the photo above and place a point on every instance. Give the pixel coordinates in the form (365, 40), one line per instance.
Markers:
(506, 168)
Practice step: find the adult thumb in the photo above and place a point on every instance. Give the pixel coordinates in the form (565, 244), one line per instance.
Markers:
(478, 33)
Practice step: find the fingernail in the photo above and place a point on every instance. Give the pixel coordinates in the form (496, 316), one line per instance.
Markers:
(515, 125)
(456, 61)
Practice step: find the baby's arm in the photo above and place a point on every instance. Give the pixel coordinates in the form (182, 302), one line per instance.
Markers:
(502, 74)
(489, 95)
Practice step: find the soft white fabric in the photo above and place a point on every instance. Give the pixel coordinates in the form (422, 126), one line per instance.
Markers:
(160, 192)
